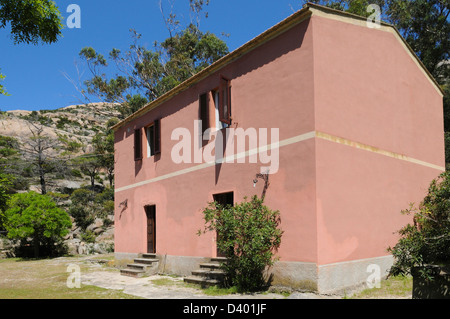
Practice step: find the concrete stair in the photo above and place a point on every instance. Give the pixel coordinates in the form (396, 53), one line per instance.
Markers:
(209, 273)
(145, 265)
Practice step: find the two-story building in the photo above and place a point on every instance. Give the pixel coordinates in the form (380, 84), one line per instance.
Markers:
(341, 115)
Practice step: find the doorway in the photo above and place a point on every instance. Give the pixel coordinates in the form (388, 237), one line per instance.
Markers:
(150, 212)
(223, 199)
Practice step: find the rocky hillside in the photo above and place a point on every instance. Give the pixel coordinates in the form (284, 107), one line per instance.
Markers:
(78, 122)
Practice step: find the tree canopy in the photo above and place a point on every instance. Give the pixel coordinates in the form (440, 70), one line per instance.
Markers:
(35, 216)
(144, 74)
(147, 74)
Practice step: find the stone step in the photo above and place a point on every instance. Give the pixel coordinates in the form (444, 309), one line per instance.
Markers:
(138, 266)
(210, 265)
(209, 274)
(145, 260)
(146, 264)
(148, 255)
(132, 272)
(204, 282)
(219, 259)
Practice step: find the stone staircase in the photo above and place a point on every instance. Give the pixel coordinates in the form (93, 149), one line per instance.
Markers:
(145, 265)
(209, 273)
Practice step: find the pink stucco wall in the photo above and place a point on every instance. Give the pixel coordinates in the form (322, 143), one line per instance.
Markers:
(266, 92)
(337, 202)
(369, 90)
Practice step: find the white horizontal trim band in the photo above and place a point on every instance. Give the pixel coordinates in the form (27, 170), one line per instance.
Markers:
(289, 141)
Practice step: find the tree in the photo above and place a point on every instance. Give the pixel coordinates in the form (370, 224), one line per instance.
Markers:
(42, 151)
(427, 239)
(103, 143)
(145, 74)
(30, 21)
(249, 237)
(89, 165)
(87, 204)
(425, 26)
(36, 216)
(11, 165)
(2, 89)
(5, 185)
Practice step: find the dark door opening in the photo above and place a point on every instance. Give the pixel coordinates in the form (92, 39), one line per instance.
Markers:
(223, 199)
(150, 211)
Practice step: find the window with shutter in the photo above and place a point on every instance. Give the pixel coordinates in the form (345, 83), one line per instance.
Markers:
(150, 132)
(137, 144)
(153, 133)
(225, 101)
(204, 111)
(157, 136)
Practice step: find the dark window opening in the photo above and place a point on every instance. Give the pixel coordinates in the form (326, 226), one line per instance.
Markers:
(137, 144)
(204, 111)
(225, 101)
(225, 199)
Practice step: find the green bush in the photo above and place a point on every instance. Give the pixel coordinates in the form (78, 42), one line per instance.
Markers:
(427, 239)
(88, 204)
(249, 237)
(36, 216)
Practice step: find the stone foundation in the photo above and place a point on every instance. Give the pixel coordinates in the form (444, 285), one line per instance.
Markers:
(302, 276)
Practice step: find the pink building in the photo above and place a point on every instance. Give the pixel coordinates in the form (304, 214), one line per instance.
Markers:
(354, 127)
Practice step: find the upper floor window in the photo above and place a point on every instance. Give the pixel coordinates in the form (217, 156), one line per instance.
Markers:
(150, 133)
(137, 144)
(224, 105)
(153, 140)
(204, 111)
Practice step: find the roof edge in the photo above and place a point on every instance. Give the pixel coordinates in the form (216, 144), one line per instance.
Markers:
(270, 33)
(385, 24)
(277, 29)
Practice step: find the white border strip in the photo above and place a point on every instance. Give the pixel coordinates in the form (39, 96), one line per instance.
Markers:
(365, 147)
(289, 141)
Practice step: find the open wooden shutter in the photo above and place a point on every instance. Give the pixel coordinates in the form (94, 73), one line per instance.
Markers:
(204, 111)
(225, 101)
(157, 136)
(137, 144)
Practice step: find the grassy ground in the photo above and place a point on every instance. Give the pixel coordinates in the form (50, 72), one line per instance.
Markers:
(47, 279)
(399, 287)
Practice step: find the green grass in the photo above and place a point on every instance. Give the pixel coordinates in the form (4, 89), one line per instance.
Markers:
(47, 279)
(393, 287)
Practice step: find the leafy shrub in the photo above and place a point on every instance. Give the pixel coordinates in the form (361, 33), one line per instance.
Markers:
(36, 216)
(88, 204)
(88, 236)
(249, 237)
(427, 239)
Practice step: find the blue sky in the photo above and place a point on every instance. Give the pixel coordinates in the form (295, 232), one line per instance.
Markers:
(34, 73)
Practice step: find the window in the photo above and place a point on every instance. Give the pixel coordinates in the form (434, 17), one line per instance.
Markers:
(150, 140)
(225, 101)
(137, 144)
(153, 133)
(204, 111)
(157, 139)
